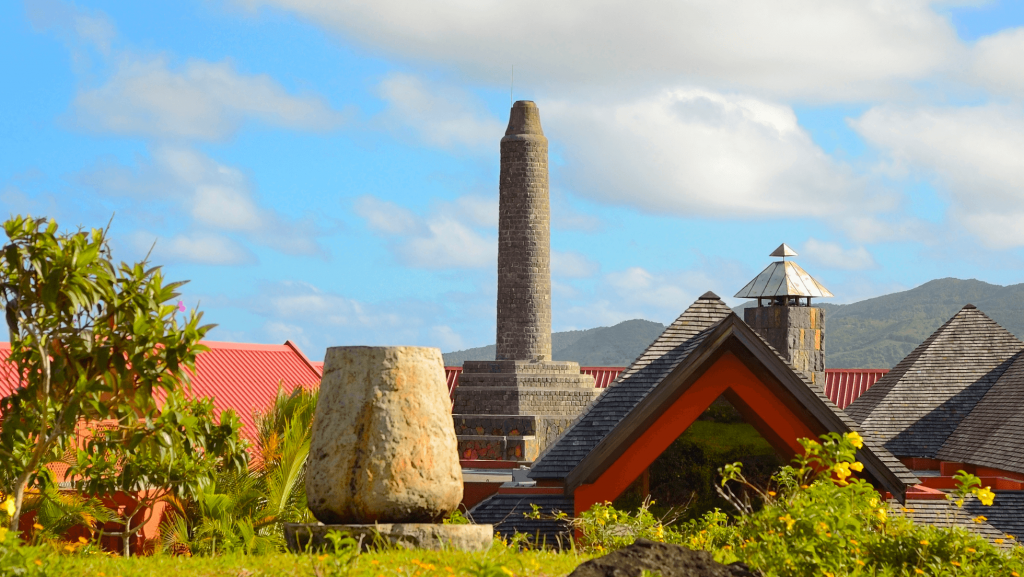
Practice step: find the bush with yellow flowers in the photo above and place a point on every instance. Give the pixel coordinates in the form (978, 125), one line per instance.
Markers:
(816, 518)
(15, 557)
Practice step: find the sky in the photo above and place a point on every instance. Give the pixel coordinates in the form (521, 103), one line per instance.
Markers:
(327, 171)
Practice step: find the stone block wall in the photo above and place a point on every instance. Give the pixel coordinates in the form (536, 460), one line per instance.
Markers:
(798, 333)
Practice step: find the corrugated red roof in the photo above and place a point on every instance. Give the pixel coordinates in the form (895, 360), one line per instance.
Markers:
(240, 376)
(843, 386)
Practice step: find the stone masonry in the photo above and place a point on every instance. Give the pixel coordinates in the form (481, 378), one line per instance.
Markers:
(511, 408)
(797, 332)
(524, 240)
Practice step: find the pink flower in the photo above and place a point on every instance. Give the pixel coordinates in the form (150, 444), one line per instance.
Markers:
(181, 306)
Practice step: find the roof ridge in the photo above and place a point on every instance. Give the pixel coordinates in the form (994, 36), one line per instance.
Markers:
(633, 384)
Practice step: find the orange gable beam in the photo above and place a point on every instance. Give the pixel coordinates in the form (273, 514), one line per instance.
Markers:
(727, 375)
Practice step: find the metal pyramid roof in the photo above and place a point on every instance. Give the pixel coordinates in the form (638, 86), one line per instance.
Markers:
(783, 251)
(783, 278)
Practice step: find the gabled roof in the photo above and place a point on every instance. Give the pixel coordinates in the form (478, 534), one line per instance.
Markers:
(917, 406)
(991, 435)
(632, 385)
(677, 358)
(240, 376)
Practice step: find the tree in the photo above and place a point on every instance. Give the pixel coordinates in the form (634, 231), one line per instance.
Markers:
(90, 340)
(246, 509)
(177, 453)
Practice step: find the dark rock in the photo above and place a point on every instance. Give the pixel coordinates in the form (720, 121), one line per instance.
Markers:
(666, 559)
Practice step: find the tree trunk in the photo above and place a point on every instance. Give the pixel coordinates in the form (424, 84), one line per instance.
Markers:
(19, 497)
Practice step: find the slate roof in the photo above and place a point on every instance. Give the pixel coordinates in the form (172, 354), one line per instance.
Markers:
(918, 405)
(992, 435)
(942, 513)
(1004, 514)
(647, 371)
(707, 320)
(505, 512)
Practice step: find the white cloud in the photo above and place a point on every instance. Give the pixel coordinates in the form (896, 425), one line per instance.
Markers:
(453, 235)
(873, 229)
(446, 339)
(441, 115)
(973, 154)
(73, 24)
(833, 255)
(572, 264)
(217, 197)
(998, 62)
(204, 100)
(202, 248)
(697, 152)
(821, 49)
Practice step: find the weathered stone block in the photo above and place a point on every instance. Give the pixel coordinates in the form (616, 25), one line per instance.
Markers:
(383, 447)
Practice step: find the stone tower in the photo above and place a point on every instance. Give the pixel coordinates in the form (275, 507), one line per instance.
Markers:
(784, 316)
(510, 408)
(524, 240)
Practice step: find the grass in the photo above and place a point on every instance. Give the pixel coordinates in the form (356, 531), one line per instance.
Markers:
(399, 563)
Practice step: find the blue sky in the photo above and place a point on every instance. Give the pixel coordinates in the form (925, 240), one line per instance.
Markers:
(326, 172)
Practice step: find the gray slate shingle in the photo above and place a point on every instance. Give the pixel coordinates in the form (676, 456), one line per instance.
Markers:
(992, 435)
(646, 372)
(506, 513)
(943, 513)
(915, 408)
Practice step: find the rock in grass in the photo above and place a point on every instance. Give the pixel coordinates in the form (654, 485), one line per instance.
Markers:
(666, 559)
(383, 446)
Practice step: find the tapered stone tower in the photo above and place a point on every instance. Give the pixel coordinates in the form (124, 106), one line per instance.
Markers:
(510, 408)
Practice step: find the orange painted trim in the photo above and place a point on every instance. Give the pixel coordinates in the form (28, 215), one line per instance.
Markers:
(758, 402)
(921, 463)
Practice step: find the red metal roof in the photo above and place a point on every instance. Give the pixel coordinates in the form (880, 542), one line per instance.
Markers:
(240, 376)
(843, 386)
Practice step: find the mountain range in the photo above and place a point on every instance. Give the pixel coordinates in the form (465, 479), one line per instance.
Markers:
(873, 333)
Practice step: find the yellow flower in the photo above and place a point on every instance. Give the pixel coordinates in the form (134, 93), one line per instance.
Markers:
(1015, 574)
(788, 521)
(880, 513)
(38, 562)
(83, 540)
(972, 550)
(859, 562)
(37, 526)
(918, 571)
(855, 439)
(857, 466)
(954, 563)
(986, 496)
(980, 519)
(924, 542)
(8, 506)
(842, 471)
(997, 541)
(771, 493)
(829, 574)
(3, 533)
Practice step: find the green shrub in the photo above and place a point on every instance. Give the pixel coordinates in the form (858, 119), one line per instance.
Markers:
(816, 519)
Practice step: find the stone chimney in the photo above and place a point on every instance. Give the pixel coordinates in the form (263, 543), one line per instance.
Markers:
(510, 408)
(524, 240)
(784, 316)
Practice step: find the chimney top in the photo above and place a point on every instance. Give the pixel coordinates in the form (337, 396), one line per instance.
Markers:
(524, 119)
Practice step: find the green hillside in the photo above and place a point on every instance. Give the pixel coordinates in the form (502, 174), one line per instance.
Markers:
(615, 346)
(879, 332)
(874, 333)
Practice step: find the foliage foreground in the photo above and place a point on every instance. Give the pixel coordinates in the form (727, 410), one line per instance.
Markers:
(816, 519)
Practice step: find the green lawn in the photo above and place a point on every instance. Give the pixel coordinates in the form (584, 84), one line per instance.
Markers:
(373, 564)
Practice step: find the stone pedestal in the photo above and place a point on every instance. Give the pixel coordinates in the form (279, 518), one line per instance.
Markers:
(511, 410)
(798, 333)
(304, 537)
